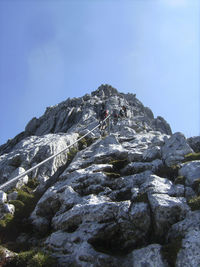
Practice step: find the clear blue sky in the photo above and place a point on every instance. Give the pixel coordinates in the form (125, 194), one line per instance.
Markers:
(52, 50)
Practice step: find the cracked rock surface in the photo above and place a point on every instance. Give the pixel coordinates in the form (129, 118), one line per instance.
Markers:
(118, 200)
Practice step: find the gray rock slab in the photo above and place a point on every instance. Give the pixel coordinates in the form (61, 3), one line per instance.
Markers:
(175, 148)
(136, 167)
(31, 151)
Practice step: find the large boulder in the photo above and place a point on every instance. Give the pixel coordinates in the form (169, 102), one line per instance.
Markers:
(175, 148)
(194, 143)
(100, 152)
(98, 225)
(104, 220)
(167, 211)
(191, 171)
(144, 146)
(157, 185)
(162, 126)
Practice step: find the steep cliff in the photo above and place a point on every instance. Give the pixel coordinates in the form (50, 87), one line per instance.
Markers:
(128, 198)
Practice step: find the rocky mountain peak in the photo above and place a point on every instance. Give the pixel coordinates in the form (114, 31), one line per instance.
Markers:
(105, 90)
(128, 197)
(76, 114)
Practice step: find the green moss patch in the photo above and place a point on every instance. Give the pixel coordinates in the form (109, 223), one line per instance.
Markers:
(82, 144)
(71, 154)
(41, 259)
(24, 196)
(90, 140)
(192, 156)
(32, 258)
(32, 183)
(194, 203)
(12, 226)
(5, 221)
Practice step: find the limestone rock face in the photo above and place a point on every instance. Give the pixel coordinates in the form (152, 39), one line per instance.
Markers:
(113, 200)
(33, 150)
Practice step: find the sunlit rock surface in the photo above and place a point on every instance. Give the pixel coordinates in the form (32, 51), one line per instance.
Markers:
(113, 200)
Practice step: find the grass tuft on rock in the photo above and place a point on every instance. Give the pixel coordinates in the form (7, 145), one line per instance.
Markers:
(5, 221)
(13, 225)
(71, 154)
(32, 258)
(24, 196)
(32, 183)
(82, 144)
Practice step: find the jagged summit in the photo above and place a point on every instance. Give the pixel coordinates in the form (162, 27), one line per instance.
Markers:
(105, 90)
(129, 198)
(77, 114)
